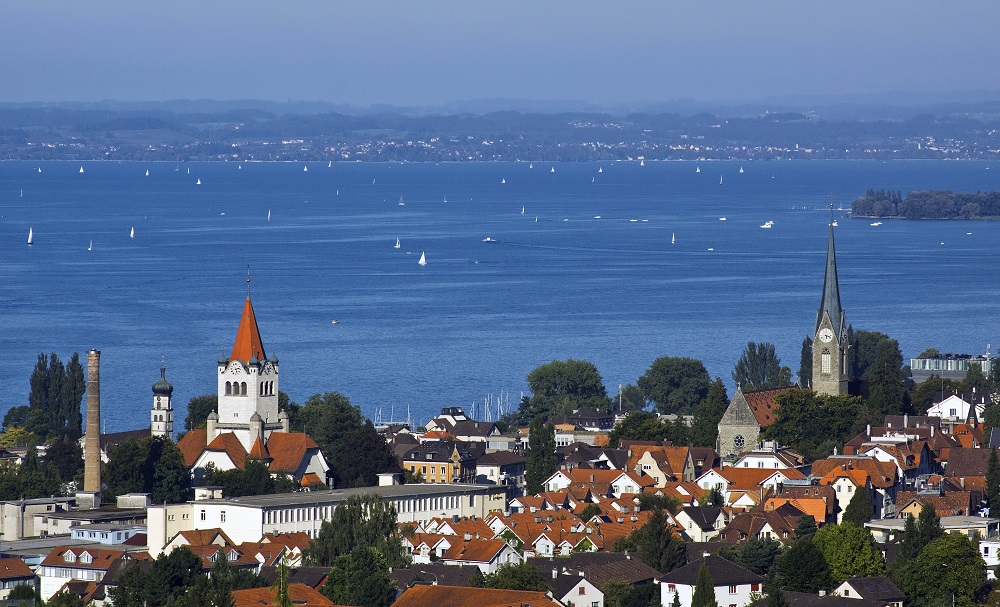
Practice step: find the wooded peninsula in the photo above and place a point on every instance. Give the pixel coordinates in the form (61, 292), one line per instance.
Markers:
(928, 204)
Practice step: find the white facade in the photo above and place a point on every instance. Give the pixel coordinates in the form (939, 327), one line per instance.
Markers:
(583, 594)
(725, 596)
(990, 551)
(954, 409)
(247, 519)
(246, 389)
(161, 418)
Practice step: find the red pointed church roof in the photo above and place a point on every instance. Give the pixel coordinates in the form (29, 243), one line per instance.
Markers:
(248, 344)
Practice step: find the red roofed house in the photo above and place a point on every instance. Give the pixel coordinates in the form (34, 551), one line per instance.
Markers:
(248, 423)
(65, 564)
(301, 595)
(13, 573)
(461, 596)
(747, 415)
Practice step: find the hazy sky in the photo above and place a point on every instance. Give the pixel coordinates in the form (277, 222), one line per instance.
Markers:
(431, 52)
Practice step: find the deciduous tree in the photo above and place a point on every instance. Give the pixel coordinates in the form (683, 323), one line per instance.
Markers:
(540, 460)
(516, 576)
(850, 551)
(675, 384)
(198, 409)
(803, 568)
(365, 521)
(562, 386)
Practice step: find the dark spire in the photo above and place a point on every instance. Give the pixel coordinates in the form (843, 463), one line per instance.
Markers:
(831, 291)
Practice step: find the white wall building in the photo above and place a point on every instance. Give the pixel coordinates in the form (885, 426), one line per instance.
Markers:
(732, 583)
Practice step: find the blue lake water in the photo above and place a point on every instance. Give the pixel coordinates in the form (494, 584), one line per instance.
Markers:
(479, 316)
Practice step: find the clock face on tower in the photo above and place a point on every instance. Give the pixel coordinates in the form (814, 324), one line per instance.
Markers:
(826, 335)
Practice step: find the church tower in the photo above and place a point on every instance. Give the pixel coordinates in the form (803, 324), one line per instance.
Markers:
(248, 383)
(829, 349)
(162, 416)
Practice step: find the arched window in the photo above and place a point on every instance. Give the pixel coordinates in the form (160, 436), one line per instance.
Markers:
(243, 388)
(825, 362)
(260, 388)
(229, 388)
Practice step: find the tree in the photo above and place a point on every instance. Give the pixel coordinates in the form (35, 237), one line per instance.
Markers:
(282, 598)
(65, 598)
(928, 526)
(657, 501)
(707, 414)
(704, 590)
(151, 465)
(221, 594)
(16, 436)
(814, 424)
(776, 598)
(198, 409)
(759, 368)
(859, 510)
(540, 460)
(806, 363)
(712, 497)
(850, 551)
(993, 482)
(519, 576)
(803, 568)
(618, 593)
(365, 521)
(758, 554)
(647, 426)
(675, 384)
(948, 569)
(933, 390)
(560, 387)
(806, 526)
(66, 456)
(55, 397)
(359, 578)
(976, 380)
(629, 399)
(35, 478)
(590, 512)
(884, 382)
(658, 546)
(357, 454)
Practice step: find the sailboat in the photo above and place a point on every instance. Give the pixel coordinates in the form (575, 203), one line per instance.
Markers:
(147, 172)
(642, 163)
(22, 192)
(39, 169)
(673, 238)
(423, 259)
(531, 165)
(31, 237)
(189, 171)
(240, 167)
(446, 198)
(503, 181)
(591, 180)
(132, 233)
(199, 181)
(269, 214)
(305, 169)
(329, 165)
(522, 210)
(396, 246)
(90, 247)
(552, 170)
(741, 170)
(600, 169)
(697, 169)
(720, 179)
(81, 169)
(401, 203)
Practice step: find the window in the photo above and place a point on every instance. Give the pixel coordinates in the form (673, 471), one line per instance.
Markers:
(222, 516)
(755, 587)
(732, 589)
(825, 362)
(583, 591)
(202, 515)
(594, 604)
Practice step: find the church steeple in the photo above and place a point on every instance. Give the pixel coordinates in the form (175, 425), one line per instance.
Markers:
(830, 303)
(829, 348)
(248, 344)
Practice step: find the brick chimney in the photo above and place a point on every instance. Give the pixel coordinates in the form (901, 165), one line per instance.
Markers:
(90, 497)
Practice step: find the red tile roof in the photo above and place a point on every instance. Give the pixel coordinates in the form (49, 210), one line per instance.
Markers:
(763, 406)
(192, 444)
(14, 568)
(301, 595)
(248, 344)
(478, 551)
(460, 596)
(288, 450)
(228, 443)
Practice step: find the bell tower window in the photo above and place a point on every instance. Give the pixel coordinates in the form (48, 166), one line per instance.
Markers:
(825, 362)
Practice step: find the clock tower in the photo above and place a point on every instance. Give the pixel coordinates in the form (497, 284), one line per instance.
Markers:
(829, 348)
(162, 417)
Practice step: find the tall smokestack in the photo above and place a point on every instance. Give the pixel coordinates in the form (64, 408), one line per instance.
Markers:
(92, 442)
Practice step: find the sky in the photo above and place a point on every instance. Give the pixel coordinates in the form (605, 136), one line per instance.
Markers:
(438, 51)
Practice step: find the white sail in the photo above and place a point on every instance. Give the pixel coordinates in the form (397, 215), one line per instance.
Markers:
(423, 259)
(697, 169)
(600, 170)
(269, 214)
(531, 165)
(720, 179)
(90, 247)
(552, 170)
(189, 171)
(81, 169)
(396, 246)
(132, 233)
(741, 169)
(673, 238)
(401, 203)
(31, 236)
(502, 181)
(642, 163)
(39, 169)
(199, 181)
(147, 172)
(329, 165)
(305, 169)
(522, 210)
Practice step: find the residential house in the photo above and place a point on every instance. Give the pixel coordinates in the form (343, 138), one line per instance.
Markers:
(454, 422)
(574, 590)
(701, 523)
(487, 555)
(78, 563)
(733, 584)
(501, 468)
(772, 456)
(778, 524)
(664, 463)
(14, 573)
(302, 595)
(847, 473)
(745, 487)
(957, 410)
(812, 498)
(444, 461)
(879, 588)
(285, 453)
(459, 596)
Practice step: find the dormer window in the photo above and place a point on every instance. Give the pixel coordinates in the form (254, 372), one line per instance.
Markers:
(69, 557)
(86, 559)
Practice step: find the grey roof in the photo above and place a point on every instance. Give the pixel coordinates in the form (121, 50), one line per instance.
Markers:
(562, 584)
(428, 573)
(500, 458)
(310, 576)
(804, 599)
(723, 572)
(830, 303)
(337, 496)
(878, 588)
(703, 516)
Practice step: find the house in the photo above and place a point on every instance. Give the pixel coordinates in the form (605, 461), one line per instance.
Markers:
(878, 588)
(86, 564)
(501, 468)
(886, 529)
(664, 464)
(846, 473)
(745, 487)
(701, 523)
(778, 524)
(770, 455)
(459, 596)
(989, 549)
(487, 555)
(454, 422)
(14, 573)
(302, 595)
(287, 453)
(823, 599)
(574, 590)
(745, 418)
(602, 483)
(733, 584)
(956, 410)
(444, 461)
(588, 419)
